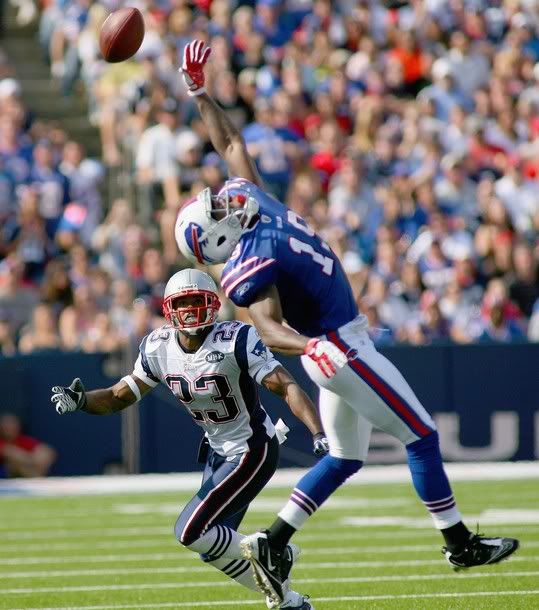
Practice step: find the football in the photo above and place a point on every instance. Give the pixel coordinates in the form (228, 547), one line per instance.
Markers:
(121, 34)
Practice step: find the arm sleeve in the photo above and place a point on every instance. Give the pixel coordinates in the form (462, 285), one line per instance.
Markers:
(249, 278)
(142, 368)
(252, 355)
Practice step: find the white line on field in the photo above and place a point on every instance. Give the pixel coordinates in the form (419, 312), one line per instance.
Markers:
(167, 532)
(487, 517)
(304, 566)
(132, 514)
(144, 509)
(252, 602)
(301, 537)
(307, 566)
(74, 546)
(86, 533)
(181, 555)
(400, 533)
(479, 471)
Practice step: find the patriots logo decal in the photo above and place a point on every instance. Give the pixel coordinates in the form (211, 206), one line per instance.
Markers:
(260, 350)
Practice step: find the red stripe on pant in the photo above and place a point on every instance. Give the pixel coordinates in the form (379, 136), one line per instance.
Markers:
(223, 493)
(385, 391)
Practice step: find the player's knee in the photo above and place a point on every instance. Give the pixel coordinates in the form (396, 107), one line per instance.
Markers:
(341, 468)
(185, 536)
(424, 448)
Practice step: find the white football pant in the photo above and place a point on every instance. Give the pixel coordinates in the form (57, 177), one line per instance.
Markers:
(368, 392)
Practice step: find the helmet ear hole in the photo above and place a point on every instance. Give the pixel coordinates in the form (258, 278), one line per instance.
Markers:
(221, 240)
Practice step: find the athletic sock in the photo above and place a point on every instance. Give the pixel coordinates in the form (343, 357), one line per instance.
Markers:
(218, 541)
(239, 570)
(456, 536)
(312, 490)
(430, 481)
(280, 533)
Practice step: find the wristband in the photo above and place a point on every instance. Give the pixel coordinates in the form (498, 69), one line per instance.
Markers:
(196, 92)
(133, 386)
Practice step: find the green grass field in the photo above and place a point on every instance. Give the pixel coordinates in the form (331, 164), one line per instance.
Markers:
(118, 551)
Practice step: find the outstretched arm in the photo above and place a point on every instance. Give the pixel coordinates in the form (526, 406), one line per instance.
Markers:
(98, 402)
(227, 140)
(224, 136)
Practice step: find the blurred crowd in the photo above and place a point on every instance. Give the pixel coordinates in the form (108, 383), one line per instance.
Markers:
(407, 134)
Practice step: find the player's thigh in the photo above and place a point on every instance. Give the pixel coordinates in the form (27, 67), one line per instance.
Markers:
(396, 391)
(374, 388)
(226, 494)
(237, 507)
(213, 463)
(347, 431)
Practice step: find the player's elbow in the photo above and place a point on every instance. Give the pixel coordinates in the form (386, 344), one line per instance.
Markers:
(268, 337)
(235, 148)
(120, 397)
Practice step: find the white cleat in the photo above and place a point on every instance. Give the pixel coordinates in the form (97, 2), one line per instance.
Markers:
(271, 567)
(292, 601)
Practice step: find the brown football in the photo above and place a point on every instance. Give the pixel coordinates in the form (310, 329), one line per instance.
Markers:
(121, 34)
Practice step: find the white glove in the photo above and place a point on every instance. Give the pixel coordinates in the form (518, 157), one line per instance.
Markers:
(327, 356)
(320, 444)
(69, 399)
(281, 430)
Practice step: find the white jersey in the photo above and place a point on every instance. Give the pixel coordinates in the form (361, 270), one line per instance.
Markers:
(216, 384)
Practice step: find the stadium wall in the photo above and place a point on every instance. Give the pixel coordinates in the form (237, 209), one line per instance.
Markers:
(485, 399)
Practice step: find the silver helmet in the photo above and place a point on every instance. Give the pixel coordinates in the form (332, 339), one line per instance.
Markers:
(191, 318)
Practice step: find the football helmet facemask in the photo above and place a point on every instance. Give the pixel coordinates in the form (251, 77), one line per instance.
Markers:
(203, 306)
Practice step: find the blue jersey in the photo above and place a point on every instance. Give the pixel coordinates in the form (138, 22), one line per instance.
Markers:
(282, 250)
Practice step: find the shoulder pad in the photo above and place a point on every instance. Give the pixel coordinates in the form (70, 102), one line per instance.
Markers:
(226, 332)
(158, 336)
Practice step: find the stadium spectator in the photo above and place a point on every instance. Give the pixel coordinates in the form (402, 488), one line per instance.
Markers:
(17, 298)
(524, 286)
(407, 136)
(7, 338)
(157, 167)
(498, 327)
(42, 332)
(533, 328)
(20, 454)
(267, 147)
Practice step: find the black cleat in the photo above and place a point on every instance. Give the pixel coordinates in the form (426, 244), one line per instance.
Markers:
(481, 551)
(271, 567)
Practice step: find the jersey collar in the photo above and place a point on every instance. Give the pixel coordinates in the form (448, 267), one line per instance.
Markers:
(187, 352)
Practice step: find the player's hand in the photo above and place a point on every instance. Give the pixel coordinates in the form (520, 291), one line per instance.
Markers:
(320, 444)
(195, 56)
(69, 399)
(327, 356)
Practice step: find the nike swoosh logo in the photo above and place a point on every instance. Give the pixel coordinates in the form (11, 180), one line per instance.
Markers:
(270, 565)
(502, 550)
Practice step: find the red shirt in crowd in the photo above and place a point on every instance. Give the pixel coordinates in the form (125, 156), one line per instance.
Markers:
(27, 443)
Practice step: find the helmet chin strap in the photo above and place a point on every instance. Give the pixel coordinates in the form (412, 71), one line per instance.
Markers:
(193, 332)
